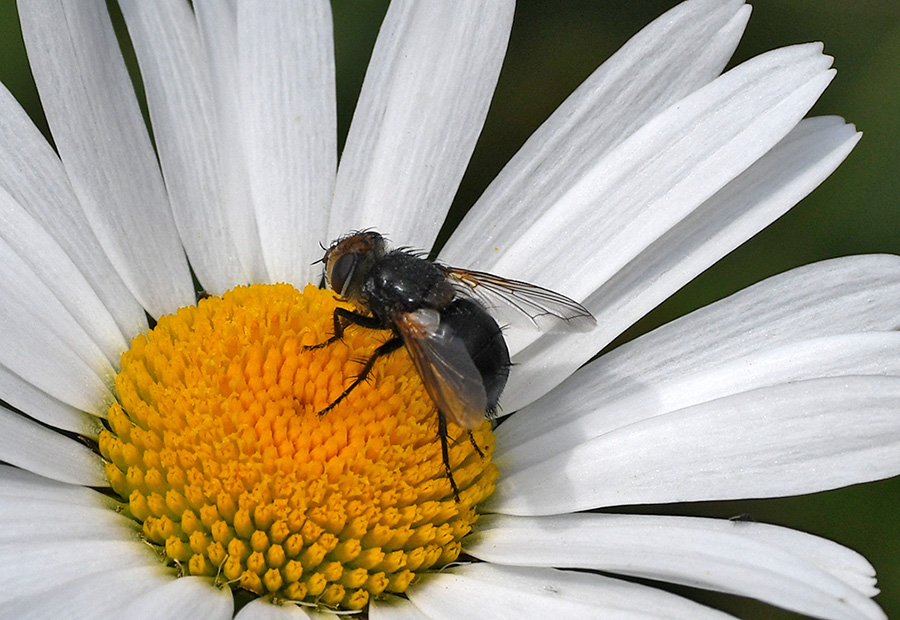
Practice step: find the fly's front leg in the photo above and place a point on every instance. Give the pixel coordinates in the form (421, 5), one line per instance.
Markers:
(388, 347)
(342, 315)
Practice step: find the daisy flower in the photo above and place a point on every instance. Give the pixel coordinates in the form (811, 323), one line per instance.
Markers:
(164, 456)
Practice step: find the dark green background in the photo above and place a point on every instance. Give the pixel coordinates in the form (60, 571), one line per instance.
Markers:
(554, 46)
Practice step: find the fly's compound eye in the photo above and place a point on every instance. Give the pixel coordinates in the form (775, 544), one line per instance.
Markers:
(341, 272)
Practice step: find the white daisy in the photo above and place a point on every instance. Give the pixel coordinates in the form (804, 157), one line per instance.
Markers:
(192, 473)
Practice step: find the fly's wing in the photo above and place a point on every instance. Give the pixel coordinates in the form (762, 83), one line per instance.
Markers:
(446, 368)
(521, 304)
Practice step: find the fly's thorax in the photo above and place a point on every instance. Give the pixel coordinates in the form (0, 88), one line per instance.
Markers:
(400, 282)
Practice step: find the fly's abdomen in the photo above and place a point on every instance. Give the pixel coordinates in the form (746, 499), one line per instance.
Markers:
(484, 341)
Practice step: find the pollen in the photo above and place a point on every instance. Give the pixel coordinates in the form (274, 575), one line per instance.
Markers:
(218, 447)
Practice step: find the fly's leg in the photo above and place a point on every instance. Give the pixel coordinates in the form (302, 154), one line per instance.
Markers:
(475, 444)
(341, 318)
(342, 315)
(445, 453)
(388, 347)
(442, 433)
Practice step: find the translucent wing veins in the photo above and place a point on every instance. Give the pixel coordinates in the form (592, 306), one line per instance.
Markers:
(446, 368)
(542, 308)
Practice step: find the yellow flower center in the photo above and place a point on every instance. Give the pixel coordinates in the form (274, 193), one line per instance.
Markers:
(217, 444)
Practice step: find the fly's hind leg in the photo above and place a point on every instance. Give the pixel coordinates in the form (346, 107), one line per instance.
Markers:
(445, 453)
(475, 444)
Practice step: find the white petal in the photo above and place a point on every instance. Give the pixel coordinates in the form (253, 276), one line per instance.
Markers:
(187, 597)
(422, 106)
(42, 567)
(259, 609)
(218, 32)
(99, 595)
(41, 406)
(29, 445)
(839, 296)
(644, 188)
(707, 553)
(50, 519)
(33, 175)
(682, 50)
(44, 344)
(742, 208)
(789, 439)
(178, 84)
(58, 273)
(581, 409)
(18, 485)
(290, 129)
(388, 607)
(845, 564)
(103, 142)
(493, 591)
(662, 172)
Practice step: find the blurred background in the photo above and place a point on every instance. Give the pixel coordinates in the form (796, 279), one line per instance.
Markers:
(554, 46)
